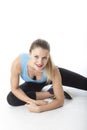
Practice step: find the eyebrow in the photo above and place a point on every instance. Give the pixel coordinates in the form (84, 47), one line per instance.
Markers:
(42, 57)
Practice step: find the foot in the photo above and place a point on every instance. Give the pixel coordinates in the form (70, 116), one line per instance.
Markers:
(66, 94)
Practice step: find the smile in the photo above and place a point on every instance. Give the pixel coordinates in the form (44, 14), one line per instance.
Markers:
(39, 65)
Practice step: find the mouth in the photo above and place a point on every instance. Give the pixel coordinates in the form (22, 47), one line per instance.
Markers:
(39, 66)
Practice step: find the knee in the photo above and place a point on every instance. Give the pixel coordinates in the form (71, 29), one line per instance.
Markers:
(10, 99)
(13, 100)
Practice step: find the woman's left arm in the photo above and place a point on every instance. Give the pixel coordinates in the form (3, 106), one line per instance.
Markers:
(58, 93)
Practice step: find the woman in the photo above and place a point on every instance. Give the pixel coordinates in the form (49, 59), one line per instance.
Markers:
(38, 70)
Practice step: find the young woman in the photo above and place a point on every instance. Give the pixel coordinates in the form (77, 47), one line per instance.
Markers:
(38, 70)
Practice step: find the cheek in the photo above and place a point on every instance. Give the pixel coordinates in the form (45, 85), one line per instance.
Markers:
(33, 60)
(45, 62)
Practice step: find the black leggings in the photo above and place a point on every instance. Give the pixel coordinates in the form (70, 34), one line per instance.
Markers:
(69, 78)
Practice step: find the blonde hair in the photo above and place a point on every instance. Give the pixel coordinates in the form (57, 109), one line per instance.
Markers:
(50, 69)
(45, 45)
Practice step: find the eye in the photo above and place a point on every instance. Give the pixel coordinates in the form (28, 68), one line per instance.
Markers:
(44, 58)
(36, 57)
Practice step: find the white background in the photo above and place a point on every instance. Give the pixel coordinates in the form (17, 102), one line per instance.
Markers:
(63, 23)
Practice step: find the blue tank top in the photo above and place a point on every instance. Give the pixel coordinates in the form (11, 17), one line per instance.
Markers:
(24, 58)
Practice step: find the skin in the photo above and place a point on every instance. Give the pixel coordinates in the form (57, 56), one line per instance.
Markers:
(38, 60)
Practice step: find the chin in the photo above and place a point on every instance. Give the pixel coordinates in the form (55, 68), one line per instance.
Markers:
(39, 69)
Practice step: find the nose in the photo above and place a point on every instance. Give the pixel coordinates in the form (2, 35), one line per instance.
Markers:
(40, 61)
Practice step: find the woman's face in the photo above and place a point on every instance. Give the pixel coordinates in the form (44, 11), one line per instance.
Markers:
(39, 58)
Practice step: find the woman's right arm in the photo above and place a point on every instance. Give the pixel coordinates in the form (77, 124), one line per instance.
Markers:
(15, 76)
(16, 90)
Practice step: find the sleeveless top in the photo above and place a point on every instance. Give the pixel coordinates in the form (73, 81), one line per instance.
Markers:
(24, 58)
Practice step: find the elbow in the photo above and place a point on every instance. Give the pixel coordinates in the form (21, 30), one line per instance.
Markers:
(13, 90)
(60, 102)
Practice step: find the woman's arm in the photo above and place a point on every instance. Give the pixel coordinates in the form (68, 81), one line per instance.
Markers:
(58, 92)
(18, 92)
(15, 75)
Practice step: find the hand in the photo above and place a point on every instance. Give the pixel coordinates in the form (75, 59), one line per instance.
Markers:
(38, 102)
(32, 107)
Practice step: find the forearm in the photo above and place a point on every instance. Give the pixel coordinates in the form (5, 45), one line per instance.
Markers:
(21, 95)
(43, 95)
(52, 105)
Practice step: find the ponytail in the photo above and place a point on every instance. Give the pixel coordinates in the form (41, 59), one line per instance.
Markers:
(50, 69)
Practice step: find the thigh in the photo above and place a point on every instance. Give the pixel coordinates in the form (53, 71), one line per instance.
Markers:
(30, 90)
(73, 79)
(31, 86)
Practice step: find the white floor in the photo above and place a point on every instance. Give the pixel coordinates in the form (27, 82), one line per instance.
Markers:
(72, 116)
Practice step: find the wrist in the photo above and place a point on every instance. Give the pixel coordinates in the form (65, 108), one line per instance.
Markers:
(29, 101)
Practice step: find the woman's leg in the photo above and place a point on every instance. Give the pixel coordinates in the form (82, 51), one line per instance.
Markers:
(73, 79)
(29, 88)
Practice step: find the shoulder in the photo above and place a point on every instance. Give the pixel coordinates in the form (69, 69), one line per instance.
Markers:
(56, 73)
(16, 67)
(18, 63)
(56, 70)
(24, 57)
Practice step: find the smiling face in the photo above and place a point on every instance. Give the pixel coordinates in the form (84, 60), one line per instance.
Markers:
(39, 58)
